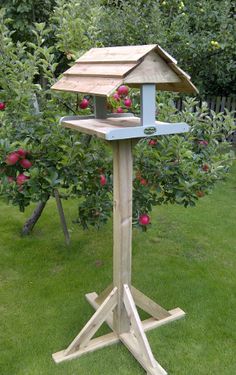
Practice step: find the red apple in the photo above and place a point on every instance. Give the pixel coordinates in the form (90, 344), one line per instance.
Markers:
(2, 106)
(103, 180)
(144, 219)
(12, 158)
(22, 153)
(205, 167)
(128, 102)
(152, 142)
(200, 193)
(203, 142)
(21, 178)
(143, 181)
(123, 90)
(84, 103)
(25, 163)
(119, 110)
(116, 96)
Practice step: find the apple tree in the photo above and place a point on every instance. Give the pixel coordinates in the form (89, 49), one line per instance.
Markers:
(38, 156)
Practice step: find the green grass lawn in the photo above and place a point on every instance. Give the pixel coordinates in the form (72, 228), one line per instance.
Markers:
(187, 259)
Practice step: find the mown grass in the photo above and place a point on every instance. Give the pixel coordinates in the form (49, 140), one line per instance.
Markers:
(186, 259)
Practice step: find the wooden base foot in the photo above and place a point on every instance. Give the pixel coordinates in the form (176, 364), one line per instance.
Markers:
(94, 344)
(134, 339)
(149, 323)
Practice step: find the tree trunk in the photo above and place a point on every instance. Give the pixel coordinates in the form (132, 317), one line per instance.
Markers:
(30, 223)
(62, 216)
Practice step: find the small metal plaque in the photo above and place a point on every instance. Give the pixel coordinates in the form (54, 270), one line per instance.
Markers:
(150, 130)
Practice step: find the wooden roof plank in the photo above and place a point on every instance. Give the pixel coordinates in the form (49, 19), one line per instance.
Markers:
(119, 54)
(179, 71)
(183, 86)
(165, 54)
(102, 70)
(88, 85)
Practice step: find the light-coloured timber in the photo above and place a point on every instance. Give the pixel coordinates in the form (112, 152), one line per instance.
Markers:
(91, 85)
(130, 342)
(152, 69)
(122, 227)
(149, 323)
(101, 70)
(112, 338)
(82, 339)
(116, 54)
(136, 326)
(148, 305)
(94, 344)
(92, 300)
(165, 55)
(117, 128)
(103, 295)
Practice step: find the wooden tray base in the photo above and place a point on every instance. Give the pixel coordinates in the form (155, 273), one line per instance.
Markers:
(134, 339)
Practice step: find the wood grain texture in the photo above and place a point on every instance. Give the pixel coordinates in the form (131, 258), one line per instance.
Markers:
(94, 344)
(130, 342)
(83, 338)
(182, 86)
(100, 70)
(116, 54)
(152, 323)
(87, 85)
(178, 70)
(136, 326)
(92, 299)
(153, 69)
(149, 323)
(148, 305)
(166, 56)
(118, 128)
(103, 295)
(122, 227)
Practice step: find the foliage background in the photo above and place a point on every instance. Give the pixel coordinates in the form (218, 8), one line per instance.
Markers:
(33, 55)
(200, 34)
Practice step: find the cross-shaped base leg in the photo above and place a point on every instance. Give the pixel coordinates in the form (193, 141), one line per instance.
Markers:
(134, 339)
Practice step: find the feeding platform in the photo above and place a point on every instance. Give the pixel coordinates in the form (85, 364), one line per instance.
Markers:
(99, 72)
(114, 128)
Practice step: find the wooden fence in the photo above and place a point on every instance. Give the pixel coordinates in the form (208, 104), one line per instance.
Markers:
(215, 103)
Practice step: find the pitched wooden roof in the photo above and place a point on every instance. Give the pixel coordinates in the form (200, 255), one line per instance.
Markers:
(101, 70)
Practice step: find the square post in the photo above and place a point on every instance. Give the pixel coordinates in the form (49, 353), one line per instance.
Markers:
(100, 107)
(148, 104)
(122, 227)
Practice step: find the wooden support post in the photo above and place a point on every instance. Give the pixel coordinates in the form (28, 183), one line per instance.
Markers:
(62, 216)
(116, 305)
(100, 107)
(148, 104)
(122, 227)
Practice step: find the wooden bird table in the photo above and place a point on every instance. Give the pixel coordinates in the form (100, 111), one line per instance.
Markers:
(116, 305)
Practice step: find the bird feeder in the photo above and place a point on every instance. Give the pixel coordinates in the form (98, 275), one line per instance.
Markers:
(99, 72)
